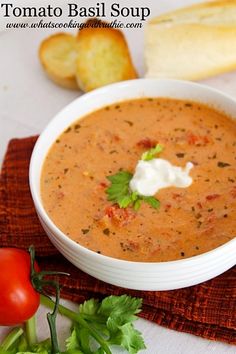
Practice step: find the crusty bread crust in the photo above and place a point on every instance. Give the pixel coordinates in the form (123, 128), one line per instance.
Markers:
(103, 57)
(58, 54)
(210, 12)
(192, 43)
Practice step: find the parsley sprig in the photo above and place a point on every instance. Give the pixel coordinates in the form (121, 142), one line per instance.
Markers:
(119, 191)
(97, 326)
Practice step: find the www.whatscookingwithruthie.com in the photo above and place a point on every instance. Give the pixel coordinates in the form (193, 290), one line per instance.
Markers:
(72, 24)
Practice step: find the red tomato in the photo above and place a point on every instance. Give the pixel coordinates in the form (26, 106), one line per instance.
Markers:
(18, 299)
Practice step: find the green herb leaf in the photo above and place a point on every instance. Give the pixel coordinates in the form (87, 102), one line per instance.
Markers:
(122, 306)
(129, 338)
(150, 154)
(134, 196)
(137, 204)
(83, 336)
(71, 342)
(119, 188)
(153, 202)
(43, 347)
(112, 319)
(125, 201)
(89, 307)
(119, 192)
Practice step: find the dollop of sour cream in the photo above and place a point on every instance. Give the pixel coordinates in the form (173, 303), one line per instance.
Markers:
(151, 176)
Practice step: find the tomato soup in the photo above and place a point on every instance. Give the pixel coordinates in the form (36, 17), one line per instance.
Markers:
(189, 221)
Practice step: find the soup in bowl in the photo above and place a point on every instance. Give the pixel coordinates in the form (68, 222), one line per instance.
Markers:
(135, 183)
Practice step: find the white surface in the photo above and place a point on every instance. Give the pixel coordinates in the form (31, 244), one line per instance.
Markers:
(133, 275)
(28, 101)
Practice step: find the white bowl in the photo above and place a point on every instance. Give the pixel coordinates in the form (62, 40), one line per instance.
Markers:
(133, 275)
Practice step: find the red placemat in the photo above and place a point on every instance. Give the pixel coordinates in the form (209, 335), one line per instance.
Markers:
(207, 310)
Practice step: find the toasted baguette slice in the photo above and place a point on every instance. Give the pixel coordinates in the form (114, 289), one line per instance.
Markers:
(103, 57)
(192, 43)
(58, 56)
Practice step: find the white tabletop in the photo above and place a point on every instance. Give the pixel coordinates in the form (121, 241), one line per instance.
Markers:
(28, 100)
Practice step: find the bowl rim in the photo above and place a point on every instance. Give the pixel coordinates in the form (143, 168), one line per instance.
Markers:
(78, 247)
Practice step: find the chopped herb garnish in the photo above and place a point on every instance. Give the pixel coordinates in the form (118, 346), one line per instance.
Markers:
(67, 130)
(180, 155)
(77, 126)
(231, 180)
(223, 164)
(129, 122)
(179, 130)
(120, 193)
(106, 232)
(151, 153)
(199, 224)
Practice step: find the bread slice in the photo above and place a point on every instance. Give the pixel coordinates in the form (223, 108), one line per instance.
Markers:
(103, 56)
(192, 43)
(58, 55)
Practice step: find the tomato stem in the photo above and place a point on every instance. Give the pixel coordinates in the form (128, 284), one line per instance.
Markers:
(37, 278)
(76, 317)
(40, 283)
(30, 327)
(52, 322)
(11, 338)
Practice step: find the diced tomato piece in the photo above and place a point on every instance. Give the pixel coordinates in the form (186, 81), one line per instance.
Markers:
(193, 139)
(60, 195)
(103, 185)
(146, 143)
(176, 196)
(212, 196)
(116, 137)
(205, 139)
(199, 204)
(167, 207)
(120, 216)
(134, 246)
